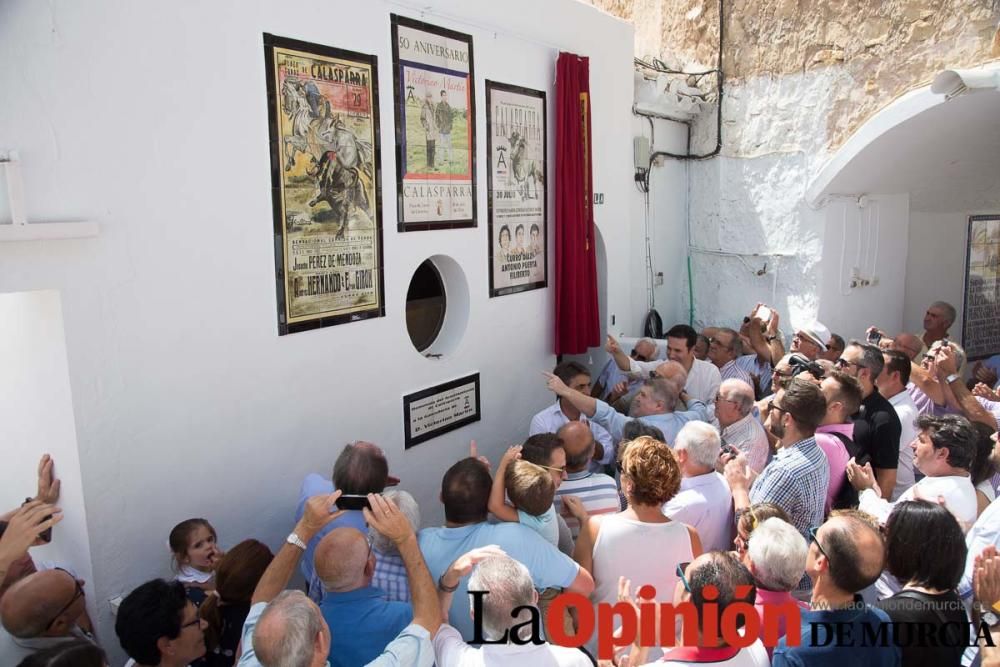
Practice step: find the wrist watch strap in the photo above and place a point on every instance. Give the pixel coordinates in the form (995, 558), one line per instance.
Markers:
(446, 589)
(951, 378)
(296, 541)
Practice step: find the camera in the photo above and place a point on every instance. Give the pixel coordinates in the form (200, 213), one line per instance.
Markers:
(353, 501)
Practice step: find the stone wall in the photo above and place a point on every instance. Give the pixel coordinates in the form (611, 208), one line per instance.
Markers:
(800, 77)
(872, 52)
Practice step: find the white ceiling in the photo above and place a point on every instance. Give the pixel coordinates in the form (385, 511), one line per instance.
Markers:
(946, 157)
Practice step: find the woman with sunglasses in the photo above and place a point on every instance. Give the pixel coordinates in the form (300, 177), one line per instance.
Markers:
(622, 545)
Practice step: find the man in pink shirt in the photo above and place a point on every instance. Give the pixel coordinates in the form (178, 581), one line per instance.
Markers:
(835, 434)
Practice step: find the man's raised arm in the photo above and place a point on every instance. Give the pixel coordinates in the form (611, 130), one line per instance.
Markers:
(277, 575)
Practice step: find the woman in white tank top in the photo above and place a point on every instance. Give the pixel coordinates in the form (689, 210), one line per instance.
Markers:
(639, 543)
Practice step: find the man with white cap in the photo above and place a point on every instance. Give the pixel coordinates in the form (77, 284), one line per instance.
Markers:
(810, 339)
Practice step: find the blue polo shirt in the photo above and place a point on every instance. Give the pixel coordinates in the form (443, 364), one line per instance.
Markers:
(839, 637)
(314, 485)
(549, 567)
(362, 623)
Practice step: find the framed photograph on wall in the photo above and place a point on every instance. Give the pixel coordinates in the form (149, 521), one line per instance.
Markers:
(325, 184)
(516, 145)
(435, 110)
(981, 314)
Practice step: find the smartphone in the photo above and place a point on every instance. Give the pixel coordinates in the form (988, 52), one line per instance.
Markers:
(764, 313)
(729, 450)
(874, 337)
(353, 501)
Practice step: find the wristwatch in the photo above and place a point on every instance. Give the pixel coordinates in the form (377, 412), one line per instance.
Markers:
(296, 540)
(951, 378)
(988, 616)
(446, 589)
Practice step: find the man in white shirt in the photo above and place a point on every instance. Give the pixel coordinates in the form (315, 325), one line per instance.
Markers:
(509, 587)
(943, 451)
(576, 376)
(891, 383)
(704, 501)
(703, 378)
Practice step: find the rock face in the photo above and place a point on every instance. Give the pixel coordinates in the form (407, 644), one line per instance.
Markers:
(879, 49)
(800, 77)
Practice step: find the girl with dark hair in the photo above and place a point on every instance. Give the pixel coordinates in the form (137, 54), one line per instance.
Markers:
(195, 553)
(76, 653)
(226, 609)
(926, 552)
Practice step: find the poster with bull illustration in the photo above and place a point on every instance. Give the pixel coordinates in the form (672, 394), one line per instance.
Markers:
(435, 126)
(326, 184)
(516, 144)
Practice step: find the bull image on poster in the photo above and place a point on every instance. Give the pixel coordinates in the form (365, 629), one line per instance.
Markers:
(435, 126)
(516, 144)
(323, 113)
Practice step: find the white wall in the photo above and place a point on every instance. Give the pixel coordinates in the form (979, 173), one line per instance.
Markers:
(36, 410)
(151, 119)
(851, 233)
(935, 266)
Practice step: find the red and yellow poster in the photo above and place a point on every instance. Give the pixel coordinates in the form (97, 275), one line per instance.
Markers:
(323, 112)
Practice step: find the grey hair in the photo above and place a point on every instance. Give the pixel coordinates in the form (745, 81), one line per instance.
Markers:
(871, 357)
(291, 643)
(701, 441)
(740, 393)
(949, 310)
(652, 342)
(778, 553)
(664, 390)
(509, 585)
(408, 506)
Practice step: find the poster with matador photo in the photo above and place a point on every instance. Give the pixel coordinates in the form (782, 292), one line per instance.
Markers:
(516, 145)
(435, 112)
(326, 184)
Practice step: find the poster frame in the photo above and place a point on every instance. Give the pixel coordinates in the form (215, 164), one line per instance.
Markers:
(397, 20)
(276, 152)
(969, 242)
(527, 92)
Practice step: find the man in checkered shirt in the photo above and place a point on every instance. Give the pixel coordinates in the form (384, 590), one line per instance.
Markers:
(797, 477)
(390, 573)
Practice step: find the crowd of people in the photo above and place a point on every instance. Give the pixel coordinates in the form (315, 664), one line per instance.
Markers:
(832, 503)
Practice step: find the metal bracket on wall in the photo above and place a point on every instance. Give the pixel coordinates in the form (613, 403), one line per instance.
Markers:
(20, 229)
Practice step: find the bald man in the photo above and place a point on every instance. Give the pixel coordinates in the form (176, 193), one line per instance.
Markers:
(40, 611)
(590, 492)
(846, 555)
(345, 565)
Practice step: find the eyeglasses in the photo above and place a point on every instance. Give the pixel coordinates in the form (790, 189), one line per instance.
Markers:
(802, 338)
(719, 399)
(771, 405)
(681, 569)
(844, 363)
(719, 344)
(561, 471)
(77, 594)
(815, 538)
(638, 357)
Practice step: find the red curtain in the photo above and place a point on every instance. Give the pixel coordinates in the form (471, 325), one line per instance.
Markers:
(577, 320)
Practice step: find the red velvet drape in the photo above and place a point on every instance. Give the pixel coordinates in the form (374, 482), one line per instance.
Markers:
(577, 320)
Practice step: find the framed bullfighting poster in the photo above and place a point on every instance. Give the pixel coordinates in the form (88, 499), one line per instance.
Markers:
(435, 105)
(325, 184)
(516, 144)
(981, 315)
